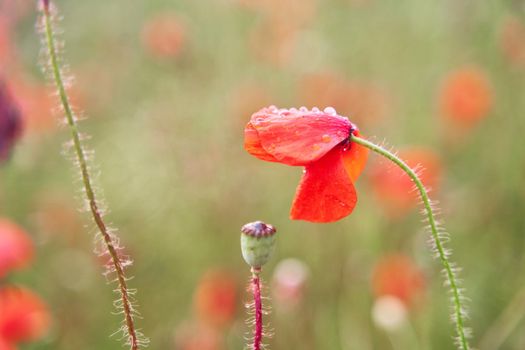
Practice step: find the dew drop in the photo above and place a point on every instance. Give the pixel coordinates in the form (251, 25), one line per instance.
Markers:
(330, 110)
(316, 147)
(303, 109)
(315, 110)
(326, 138)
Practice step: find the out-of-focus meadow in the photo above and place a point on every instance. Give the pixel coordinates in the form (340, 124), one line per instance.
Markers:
(168, 87)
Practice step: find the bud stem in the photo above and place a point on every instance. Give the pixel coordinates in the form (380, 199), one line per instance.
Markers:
(459, 310)
(256, 290)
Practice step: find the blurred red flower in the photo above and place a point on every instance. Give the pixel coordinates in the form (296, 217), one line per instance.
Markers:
(466, 96)
(164, 35)
(4, 345)
(398, 276)
(16, 248)
(392, 186)
(319, 141)
(10, 122)
(512, 40)
(216, 298)
(36, 105)
(23, 315)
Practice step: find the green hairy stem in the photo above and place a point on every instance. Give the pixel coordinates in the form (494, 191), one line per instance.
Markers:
(450, 275)
(125, 302)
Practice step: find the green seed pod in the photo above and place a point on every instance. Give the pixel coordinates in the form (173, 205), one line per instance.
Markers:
(257, 243)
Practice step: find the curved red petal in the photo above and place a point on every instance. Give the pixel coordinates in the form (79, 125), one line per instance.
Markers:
(252, 144)
(354, 158)
(299, 137)
(325, 193)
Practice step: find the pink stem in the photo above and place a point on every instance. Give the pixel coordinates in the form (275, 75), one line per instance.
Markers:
(256, 289)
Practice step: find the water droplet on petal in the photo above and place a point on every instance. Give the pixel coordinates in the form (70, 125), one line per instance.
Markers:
(326, 138)
(315, 110)
(330, 110)
(316, 147)
(303, 109)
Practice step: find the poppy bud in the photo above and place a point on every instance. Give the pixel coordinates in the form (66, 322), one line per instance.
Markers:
(257, 243)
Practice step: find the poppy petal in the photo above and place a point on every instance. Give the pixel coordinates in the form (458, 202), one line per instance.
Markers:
(354, 159)
(24, 316)
(325, 193)
(252, 144)
(299, 137)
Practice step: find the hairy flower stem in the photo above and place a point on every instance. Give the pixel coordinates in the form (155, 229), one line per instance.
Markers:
(258, 327)
(86, 179)
(458, 313)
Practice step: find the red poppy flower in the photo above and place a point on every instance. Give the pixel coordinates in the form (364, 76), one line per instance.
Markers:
(466, 96)
(164, 35)
(23, 315)
(16, 248)
(319, 141)
(216, 298)
(398, 276)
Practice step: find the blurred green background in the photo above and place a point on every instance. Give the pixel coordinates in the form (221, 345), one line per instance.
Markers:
(167, 131)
